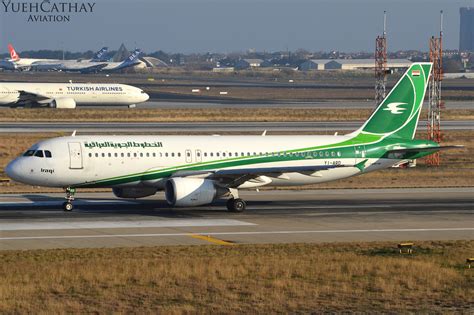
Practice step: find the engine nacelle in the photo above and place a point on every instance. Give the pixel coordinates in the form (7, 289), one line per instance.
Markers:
(188, 192)
(68, 103)
(134, 192)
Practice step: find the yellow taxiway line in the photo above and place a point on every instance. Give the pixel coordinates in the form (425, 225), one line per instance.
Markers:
(210, 239)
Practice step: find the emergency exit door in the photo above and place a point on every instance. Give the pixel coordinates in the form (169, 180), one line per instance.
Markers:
(75, 155)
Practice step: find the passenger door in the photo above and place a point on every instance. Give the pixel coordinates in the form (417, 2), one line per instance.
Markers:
(75, 155)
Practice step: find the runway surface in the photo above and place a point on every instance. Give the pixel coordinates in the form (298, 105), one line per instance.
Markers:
(205, 127)
(100, 220)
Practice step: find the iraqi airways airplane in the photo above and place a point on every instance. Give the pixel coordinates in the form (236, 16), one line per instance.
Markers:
(196, 170)
(68, 95)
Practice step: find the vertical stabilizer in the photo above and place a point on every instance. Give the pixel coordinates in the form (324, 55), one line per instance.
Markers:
(397, 115)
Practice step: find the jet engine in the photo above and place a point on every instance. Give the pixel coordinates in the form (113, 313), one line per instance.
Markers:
(188, 192)
(134, 192)
(68, 103)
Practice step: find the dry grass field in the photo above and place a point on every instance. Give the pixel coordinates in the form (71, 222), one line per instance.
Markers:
(196, 115)
(256, 279)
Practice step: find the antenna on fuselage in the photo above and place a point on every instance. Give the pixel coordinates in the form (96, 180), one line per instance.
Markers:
(73, 133)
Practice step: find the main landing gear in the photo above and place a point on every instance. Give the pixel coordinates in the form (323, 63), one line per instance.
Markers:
(67, 205)
(236, 205)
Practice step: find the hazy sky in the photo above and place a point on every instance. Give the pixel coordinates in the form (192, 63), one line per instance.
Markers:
(237, 25)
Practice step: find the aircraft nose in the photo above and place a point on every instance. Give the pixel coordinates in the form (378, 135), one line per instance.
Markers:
(13, 170)
(146, 97)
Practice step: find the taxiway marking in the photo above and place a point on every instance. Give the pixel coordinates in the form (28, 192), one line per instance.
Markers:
(239, 233)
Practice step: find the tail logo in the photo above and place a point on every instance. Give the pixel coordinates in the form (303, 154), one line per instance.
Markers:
(395, 108)
(13, 54)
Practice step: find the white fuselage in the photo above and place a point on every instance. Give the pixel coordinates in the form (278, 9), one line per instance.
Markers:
(81, 93)
(79, 160)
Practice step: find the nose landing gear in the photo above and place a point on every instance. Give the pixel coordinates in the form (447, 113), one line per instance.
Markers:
(67, 205)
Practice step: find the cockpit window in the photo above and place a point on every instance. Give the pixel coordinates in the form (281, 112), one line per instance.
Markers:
(39, 153)
(47, 154)
(143, 92)
(29, 153)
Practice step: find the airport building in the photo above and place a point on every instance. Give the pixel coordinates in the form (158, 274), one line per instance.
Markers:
(466, 30)
(351, 64)
(251, 63)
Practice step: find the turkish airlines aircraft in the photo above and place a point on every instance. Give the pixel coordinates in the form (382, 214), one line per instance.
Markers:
(68, 95)
(196, 170)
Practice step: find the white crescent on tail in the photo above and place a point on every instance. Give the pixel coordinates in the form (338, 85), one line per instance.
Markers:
(394, 108)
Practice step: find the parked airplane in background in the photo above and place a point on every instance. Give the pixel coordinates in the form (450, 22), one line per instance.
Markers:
(96, 64)
(22, 63)
(196, 170)
(68, 95)
(26, 64)
(90, 66)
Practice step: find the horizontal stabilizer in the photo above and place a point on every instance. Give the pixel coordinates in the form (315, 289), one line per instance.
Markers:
(426, 149)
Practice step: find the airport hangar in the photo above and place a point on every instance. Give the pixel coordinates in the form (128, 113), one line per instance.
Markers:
(351, 64)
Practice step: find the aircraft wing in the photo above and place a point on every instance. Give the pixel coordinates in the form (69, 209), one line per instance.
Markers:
(32, 97)
(235, 177)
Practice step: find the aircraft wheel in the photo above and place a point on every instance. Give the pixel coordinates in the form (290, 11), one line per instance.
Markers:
(236, 205)
(67, 206)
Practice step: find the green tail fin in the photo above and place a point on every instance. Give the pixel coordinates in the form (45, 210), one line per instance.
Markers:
(397, 115)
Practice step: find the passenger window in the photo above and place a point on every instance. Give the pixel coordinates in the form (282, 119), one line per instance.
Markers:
(90, 154)
(217, 154)
(147, 154)
(212, 154)
(97, 155)
(223, 154)
(141, 154)
(154, 154)
(109, 155)
(128, 154)
(103, 154)
(116, 154)
(47, 154)
(321, 153)
(326, 153)
(39, 153)
(29, 153)
(166, 154)
(338, 153)
(135, 154)
(205, 154)
(333, 154)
